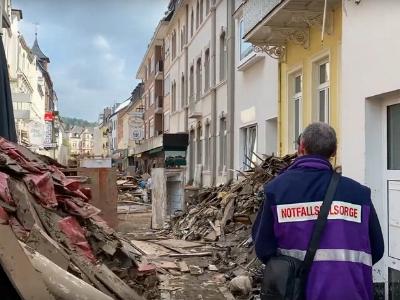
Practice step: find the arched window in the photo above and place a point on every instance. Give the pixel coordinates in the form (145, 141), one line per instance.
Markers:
(173, 96)
(192, 24)
(222, 57)
(201, 11)
(197, 15)
(182, 37)
(191, 79)
(173, 44)
(207, 70)
(207, 7)
(183, 99)
(198, 78)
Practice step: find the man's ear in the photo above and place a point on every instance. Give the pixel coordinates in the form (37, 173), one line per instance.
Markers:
(301, 150)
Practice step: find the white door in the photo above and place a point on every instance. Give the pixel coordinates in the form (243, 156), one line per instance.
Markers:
(391, 188)
(391, 117)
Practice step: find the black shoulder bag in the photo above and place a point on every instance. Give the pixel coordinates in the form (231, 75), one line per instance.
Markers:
(285, 277)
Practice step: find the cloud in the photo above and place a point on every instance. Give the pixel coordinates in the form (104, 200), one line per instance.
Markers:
(94, 49)
(101, 42)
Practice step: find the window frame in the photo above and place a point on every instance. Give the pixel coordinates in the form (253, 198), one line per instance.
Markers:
(323, 87)
(243, 53)
(294, 96)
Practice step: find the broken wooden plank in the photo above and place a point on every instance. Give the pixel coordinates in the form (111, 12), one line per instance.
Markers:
(25, 279)
(149, 248)
(183, 267)
(189, 254)
(178, 243)
(115, 284)
(165, 264)
(61, 283)
(26, 212)
(40, 241)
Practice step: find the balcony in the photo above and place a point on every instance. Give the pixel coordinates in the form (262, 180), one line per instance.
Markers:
(194, 110)
(159, 70)
(270, 24)
(159, 105)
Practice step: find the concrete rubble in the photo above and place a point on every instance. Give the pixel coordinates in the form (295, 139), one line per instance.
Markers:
(220, 219)
(61, 232)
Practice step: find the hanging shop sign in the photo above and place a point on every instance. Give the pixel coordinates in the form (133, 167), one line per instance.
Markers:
(136, 126)
(49, 116)
(48, 135)
(36, 133)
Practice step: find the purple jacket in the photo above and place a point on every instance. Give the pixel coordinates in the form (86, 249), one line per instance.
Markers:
(350, 244)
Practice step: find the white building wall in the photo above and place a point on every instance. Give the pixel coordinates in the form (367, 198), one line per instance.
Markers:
(370, 67)
(256, 99)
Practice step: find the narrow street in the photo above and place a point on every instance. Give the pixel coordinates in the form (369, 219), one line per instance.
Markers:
(199, 149)
(180, 279)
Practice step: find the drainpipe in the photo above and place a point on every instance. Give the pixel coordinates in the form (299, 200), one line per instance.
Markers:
(214, 168)
(230, 42)
(279, 133)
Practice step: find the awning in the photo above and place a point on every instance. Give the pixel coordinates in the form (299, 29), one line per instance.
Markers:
(7, 123)
(175, 141)
(156, 150)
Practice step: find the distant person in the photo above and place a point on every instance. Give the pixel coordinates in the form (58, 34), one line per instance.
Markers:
(351, 241)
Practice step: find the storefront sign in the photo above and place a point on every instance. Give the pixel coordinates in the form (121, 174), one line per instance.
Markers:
(136, 126)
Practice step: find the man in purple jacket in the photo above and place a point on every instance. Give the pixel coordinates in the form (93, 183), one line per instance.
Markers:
(352, 240)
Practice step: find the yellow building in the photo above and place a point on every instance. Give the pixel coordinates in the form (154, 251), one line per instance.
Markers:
(309, 85)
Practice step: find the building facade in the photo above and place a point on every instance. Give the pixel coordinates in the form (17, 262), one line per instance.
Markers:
(196, 89)
(370, 120)
(307, 44)
(256, 100)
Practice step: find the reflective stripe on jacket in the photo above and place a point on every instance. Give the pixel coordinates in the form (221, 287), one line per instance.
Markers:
(351, 242)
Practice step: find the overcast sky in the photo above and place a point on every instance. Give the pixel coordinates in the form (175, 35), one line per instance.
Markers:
(95, 47)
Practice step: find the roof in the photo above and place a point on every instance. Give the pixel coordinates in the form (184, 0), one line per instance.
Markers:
(121, 107)
(38, 52)
(159, 34)
(76, 129)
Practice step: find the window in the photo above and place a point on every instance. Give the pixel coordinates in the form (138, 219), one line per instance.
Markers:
(197, 15)
(249, 138)
(201, 11)
(199, 145)
(182, 37)
(173, 96)
(207, 70)
(191, 24)
(222, 57)
(393, 134)
(198, 79)
(245, 47)
(296, 104)
(166, 122)
(207, 7)
(207, 143)
(191, 79)
(323, 92)
(167, 86)
(222, 144)
(151, 128)
(183, 99)
(151, 96)
(173, 40)
(152, 64)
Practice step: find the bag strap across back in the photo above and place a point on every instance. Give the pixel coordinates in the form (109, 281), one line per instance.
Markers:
(319, 226)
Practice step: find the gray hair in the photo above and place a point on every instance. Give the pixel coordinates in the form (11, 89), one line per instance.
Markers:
(319, 138)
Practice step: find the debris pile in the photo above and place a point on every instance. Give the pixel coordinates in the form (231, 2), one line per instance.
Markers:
(132, 189)
(218, 211)
(222, 217)
(61, 232)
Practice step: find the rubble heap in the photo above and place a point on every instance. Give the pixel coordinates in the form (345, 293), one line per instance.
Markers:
(218, 211)
(51, 216)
